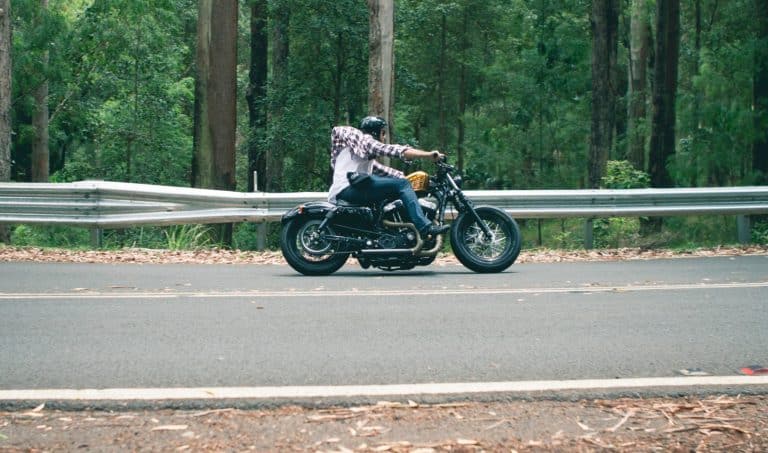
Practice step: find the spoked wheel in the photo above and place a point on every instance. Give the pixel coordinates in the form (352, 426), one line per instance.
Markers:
(483, 252)
(306, 250)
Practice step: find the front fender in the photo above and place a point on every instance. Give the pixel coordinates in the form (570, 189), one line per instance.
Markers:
(310, 209)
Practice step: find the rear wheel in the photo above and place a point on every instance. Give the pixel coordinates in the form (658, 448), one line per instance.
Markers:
(306, 250)
(481, 252)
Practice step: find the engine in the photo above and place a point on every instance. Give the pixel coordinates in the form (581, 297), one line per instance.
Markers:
(402, 239)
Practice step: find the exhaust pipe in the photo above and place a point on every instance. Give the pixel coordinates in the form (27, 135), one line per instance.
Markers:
(416, 250)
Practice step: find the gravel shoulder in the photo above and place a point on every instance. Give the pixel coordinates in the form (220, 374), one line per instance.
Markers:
(717, 423)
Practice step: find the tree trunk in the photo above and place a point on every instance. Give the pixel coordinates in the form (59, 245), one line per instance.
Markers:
(5, 101)
(664, 91)
(695, 122)
(662, 146)
(441, 82)
(381, 60)
(257, 91)
(280, 47)
(216, 94)
(696, 63)
(215, 98)
(338, 78)
(640, 40)
(760, 95)
(40, 154)
(460, 127)
(605, 23)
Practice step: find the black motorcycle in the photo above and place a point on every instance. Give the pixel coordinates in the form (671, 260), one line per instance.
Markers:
(318, 237)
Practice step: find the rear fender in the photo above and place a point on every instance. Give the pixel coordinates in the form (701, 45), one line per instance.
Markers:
(310, 209)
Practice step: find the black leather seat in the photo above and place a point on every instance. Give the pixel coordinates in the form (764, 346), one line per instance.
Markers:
(347, 204)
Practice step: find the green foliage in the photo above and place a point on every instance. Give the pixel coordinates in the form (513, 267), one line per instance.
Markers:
(620, 231)
(121, 89)
(616, 232)
(760, 232)
(622, 175)
(246, 236)
(715, 104)
(139, 237)
(50, 236)
(188, 237)
(515, 74)
(512, 75)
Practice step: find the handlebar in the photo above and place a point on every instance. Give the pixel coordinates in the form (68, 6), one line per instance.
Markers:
(444, 165)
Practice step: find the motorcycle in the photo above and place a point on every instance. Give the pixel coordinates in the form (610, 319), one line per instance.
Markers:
(318, 237)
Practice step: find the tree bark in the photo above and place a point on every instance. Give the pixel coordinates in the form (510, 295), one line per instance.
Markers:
(460, 126)
(216, 94)
(280, 48)
(441, 82)
(760, 95)
(381, 61)
(216, 99)
(40, 153)
(5, 100)
(664, 91)
(605, 23)
(256, 94)
(640, 41)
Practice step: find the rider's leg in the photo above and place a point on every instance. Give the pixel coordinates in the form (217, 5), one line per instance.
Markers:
(382, 188)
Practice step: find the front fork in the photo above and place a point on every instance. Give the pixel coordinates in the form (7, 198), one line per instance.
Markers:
(463, 204)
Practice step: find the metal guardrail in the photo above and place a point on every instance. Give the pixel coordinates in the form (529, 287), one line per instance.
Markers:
(101, 204)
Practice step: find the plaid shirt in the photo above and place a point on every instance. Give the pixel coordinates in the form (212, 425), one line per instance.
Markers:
(366, 147)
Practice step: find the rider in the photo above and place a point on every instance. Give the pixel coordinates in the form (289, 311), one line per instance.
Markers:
(354, 151)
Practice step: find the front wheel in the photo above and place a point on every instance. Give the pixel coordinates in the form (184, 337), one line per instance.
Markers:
(479, 251)
(305, 249)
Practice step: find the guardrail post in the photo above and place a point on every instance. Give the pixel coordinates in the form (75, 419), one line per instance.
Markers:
(261, 236)
(97, 238)
(743, 229)
(589, 237)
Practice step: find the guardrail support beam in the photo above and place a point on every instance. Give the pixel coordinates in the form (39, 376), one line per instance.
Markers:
(743, 229)
(589, 234)
(97, 238)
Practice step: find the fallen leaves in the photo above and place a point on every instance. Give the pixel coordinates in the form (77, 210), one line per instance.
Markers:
(707, 416)
(37, 412)
(170, 428)
(222, 256)
(720, 423)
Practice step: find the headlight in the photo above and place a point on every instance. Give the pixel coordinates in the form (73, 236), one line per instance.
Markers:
(458, 180)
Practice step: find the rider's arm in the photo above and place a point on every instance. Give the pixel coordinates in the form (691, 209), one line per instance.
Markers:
(362, 145)
(381, 169)
(413, 153)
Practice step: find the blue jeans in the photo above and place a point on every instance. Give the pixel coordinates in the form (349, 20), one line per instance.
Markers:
(385, 188)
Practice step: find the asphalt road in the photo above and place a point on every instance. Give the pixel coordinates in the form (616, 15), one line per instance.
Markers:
(124, 326)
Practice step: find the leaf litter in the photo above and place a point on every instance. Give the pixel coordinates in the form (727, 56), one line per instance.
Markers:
(713, 423)
(225, 256)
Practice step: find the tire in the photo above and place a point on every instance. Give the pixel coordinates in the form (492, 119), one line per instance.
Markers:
(305, 253)
(481, 254)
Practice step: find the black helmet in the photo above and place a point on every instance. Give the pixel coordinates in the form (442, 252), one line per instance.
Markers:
(373, 125)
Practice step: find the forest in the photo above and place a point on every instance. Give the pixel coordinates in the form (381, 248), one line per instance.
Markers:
(521, 94)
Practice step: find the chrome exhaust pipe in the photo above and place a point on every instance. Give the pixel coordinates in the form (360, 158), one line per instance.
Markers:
(416, 250)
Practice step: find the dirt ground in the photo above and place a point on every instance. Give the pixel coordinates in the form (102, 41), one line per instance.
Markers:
(716, 423)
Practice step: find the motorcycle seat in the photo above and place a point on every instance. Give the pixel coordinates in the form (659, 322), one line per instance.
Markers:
(347, 204)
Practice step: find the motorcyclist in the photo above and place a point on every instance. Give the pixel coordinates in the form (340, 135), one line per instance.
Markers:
(353, 157)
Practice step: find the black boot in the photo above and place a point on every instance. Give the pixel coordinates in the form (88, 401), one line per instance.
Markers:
(434, 230)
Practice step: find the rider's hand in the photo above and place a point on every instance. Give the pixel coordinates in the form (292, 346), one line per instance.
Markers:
(436, 156)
